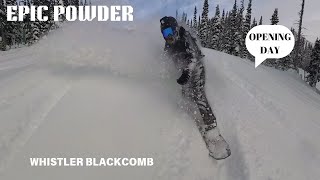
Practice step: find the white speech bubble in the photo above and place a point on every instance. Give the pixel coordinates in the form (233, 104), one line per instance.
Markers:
(269, 41)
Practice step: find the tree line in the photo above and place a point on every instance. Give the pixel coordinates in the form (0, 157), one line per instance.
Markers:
(26, 32)
(227, 31)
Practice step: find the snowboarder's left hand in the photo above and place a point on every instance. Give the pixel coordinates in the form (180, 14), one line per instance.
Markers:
(184, 78)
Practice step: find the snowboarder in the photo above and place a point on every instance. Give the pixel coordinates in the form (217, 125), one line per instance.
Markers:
(181, 47)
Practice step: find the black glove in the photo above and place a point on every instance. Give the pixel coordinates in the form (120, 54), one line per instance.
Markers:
(184, 78)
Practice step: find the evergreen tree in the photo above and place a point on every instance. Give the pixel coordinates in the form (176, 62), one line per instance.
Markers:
(300, 51)
(46, 25)
(204, 24)
(215, 31)
(26, 25)
(51, 22)
(285, 63)
(232, 31)
(254, 23)
(223, 31)
(260, 21)
(185, 18)
(75, 3)
(275, 19)
(17, 33)
(246, 29)
(223, 16)
(195, 24)
(314, 67)
(199, 22)
(38, 27)
(66, 3)
(177, 14)
(307, 51)
(182, 18)
(240, 32)
(298, 44)
(11, 27)
(3, 25)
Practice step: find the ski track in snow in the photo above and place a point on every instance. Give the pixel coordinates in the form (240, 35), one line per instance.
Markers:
(96, 90)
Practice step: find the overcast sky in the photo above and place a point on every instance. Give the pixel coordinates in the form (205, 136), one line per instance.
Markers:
(288, 11)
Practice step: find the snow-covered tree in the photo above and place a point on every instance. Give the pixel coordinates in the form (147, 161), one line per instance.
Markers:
(3, 24)
(223, 16)
(254, 23)
(204, 24)
(260, 21)
(275, 19)
(298, 44)
(74, 3)
(223, 32)
(215, 31)
(199, 22)
(240, 31)
(66, 2)
(306, 56)
(195, 23)
(246, 28)
(11, 27)
(314, 67)
(184, 17)
(232, 30)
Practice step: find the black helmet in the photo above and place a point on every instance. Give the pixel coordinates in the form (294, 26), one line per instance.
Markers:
(168, 27)
(168, 21)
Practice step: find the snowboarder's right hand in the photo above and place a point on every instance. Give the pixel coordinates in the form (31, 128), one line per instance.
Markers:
(184, 78)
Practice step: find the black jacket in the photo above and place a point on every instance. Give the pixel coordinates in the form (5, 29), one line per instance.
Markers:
(184, 52)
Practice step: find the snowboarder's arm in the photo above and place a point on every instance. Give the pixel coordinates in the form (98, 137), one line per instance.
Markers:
(187, 72)
(191, 58)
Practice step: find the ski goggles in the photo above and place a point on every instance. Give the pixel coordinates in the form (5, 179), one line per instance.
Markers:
(167, 32)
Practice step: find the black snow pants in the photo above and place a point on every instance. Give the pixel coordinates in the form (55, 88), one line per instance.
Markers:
(195, 90)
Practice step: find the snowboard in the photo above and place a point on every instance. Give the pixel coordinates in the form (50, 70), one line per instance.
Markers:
(217, 146)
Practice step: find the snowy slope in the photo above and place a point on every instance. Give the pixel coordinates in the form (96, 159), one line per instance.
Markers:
(98, 90)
